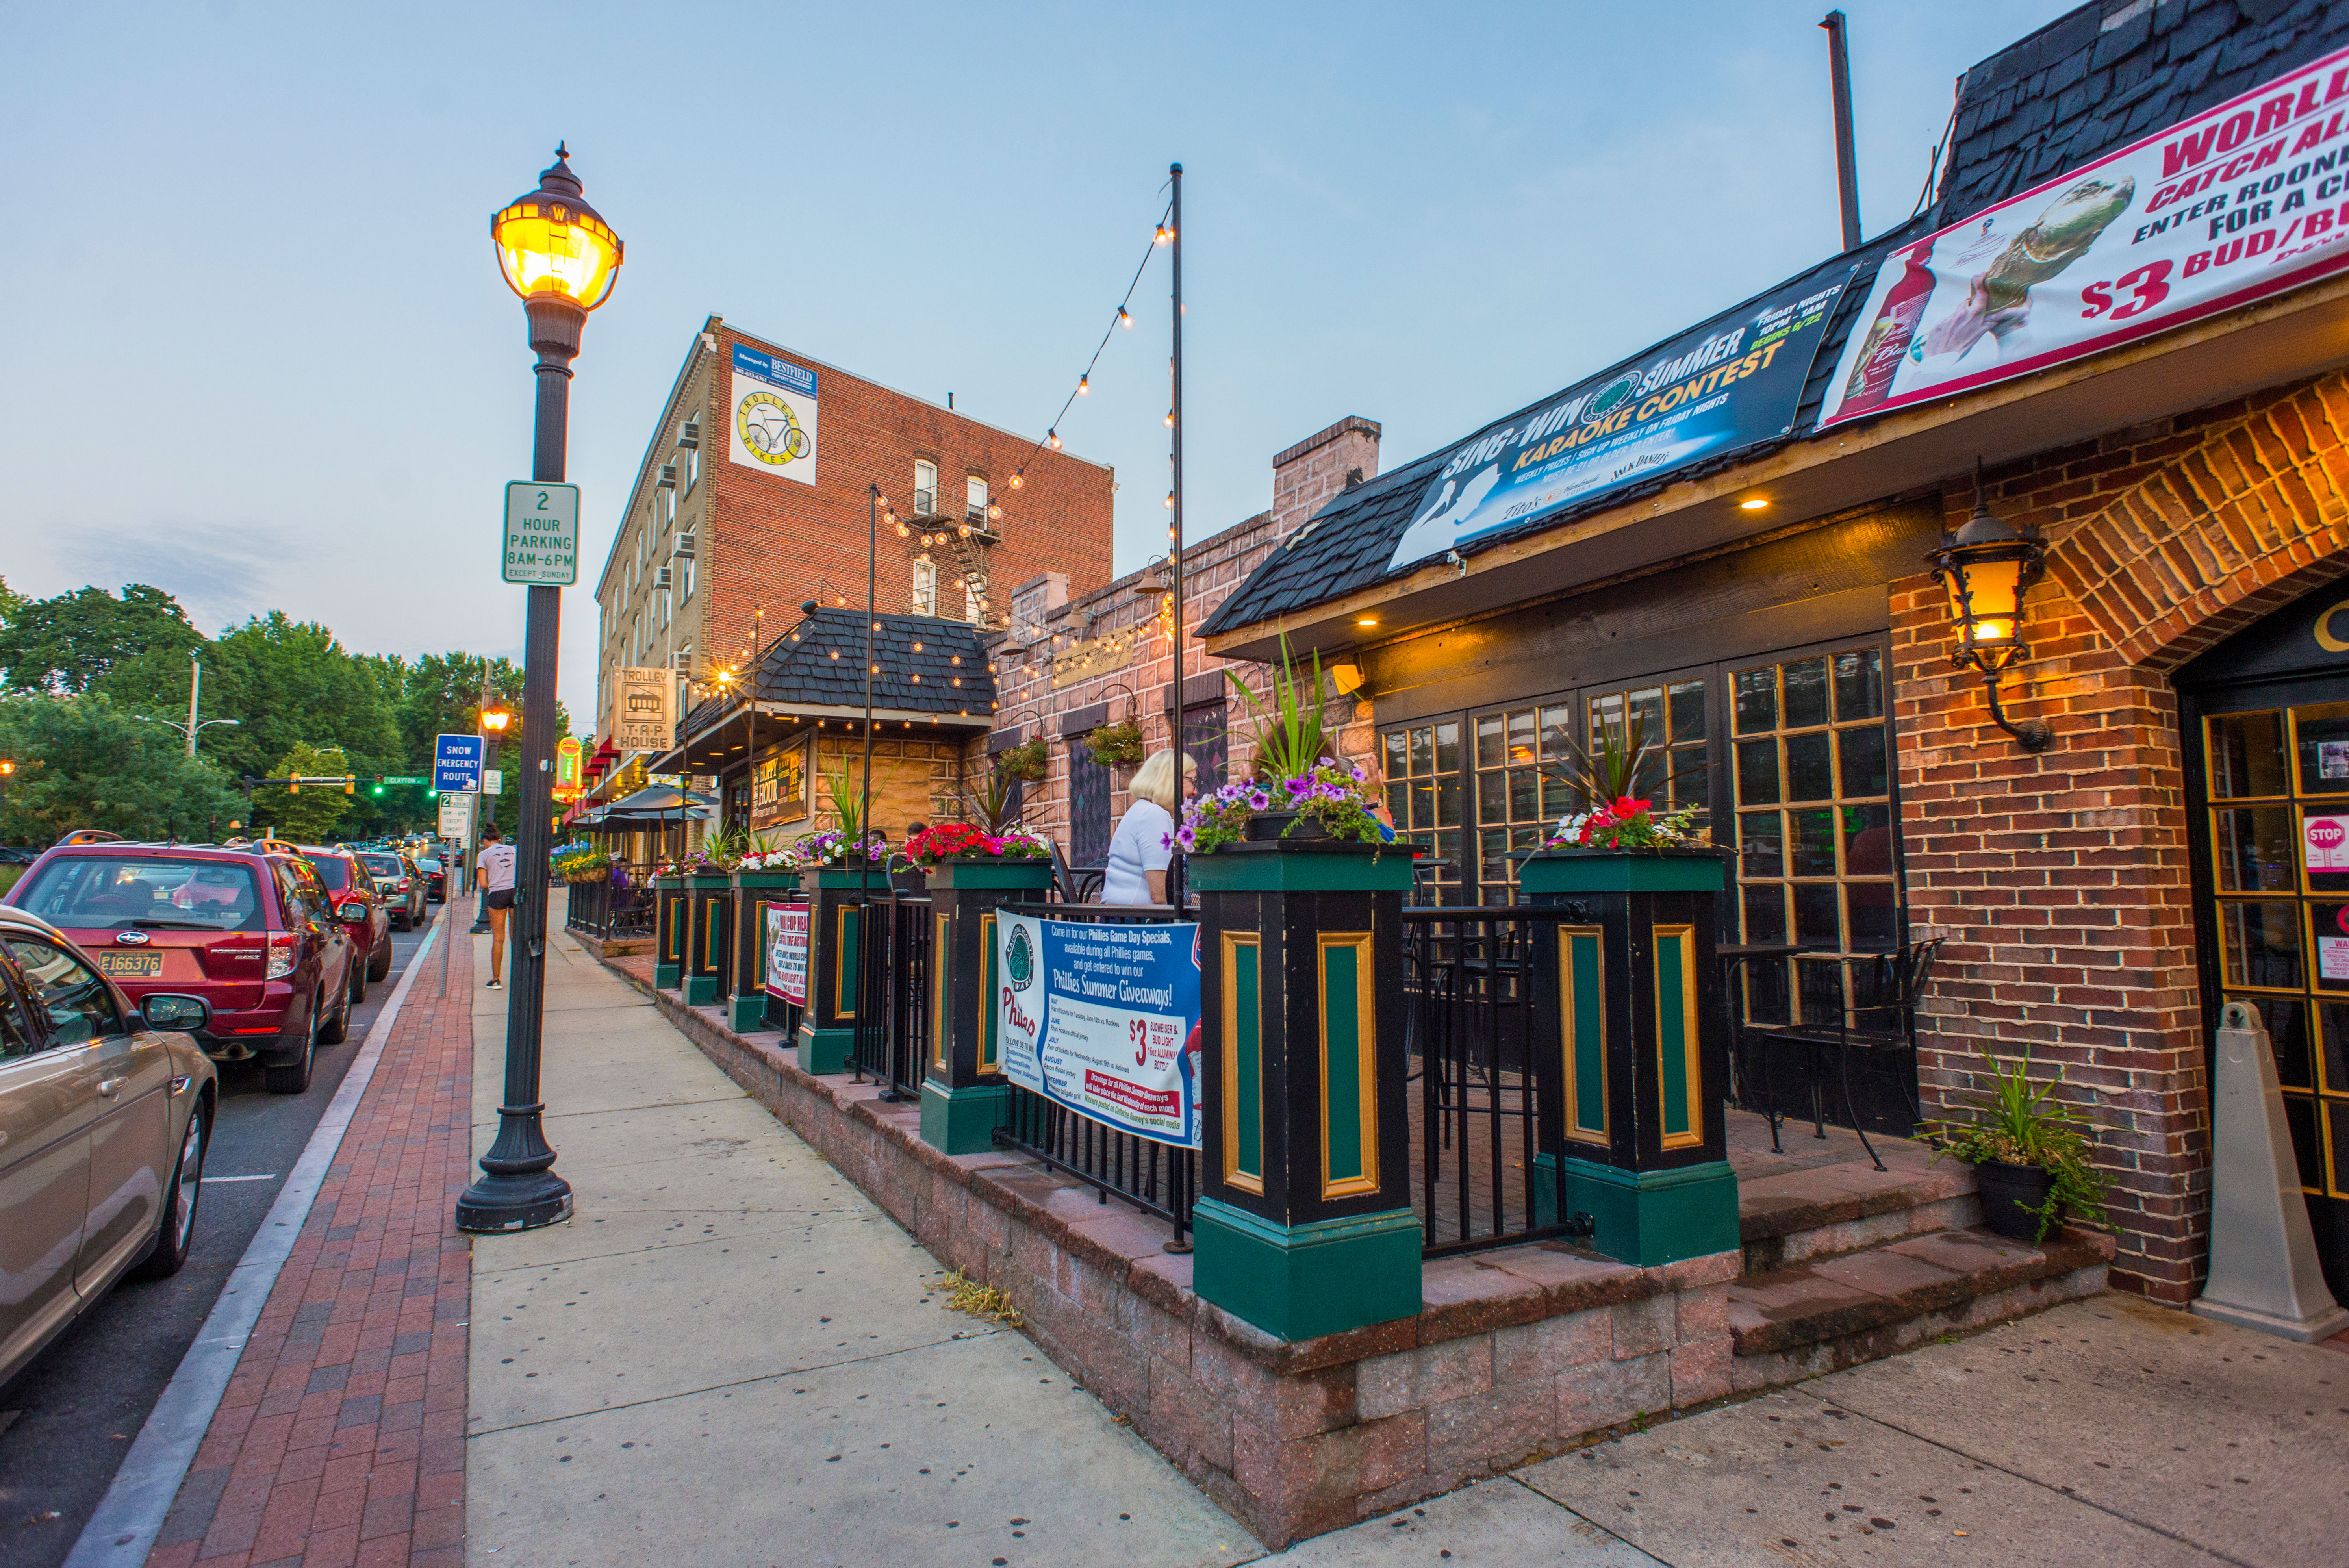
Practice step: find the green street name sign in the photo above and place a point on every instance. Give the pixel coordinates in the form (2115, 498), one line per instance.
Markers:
(406, 779)
(541, 538)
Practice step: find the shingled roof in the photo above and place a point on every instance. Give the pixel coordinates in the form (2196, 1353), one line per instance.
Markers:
(2085, 85)
(927, 665)
(2096, 79)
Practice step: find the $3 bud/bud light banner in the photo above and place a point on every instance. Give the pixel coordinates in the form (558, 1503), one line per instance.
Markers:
(1103, 1018)
(1732, 382)
(2216, 212)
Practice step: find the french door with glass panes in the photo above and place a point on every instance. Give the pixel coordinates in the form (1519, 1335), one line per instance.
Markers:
(2268, 782)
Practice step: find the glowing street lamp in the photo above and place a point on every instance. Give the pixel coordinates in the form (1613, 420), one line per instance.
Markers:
(556, 253)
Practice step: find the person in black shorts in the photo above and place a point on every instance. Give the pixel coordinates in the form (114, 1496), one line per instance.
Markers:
(496, 864)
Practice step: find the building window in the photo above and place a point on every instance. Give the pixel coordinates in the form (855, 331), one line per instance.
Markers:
(1423, 768)
(685, 577)
(1520, 788)
(972, 610)
(925, 487)
(1813, 787)
(925, 586)
(1089, 820)
(974, 501)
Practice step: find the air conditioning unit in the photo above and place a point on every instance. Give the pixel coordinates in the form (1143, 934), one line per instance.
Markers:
(667, 479)
(683, 549)
(660, 578)
(688, 436)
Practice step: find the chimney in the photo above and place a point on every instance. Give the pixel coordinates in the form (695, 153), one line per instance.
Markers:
(1307, 475)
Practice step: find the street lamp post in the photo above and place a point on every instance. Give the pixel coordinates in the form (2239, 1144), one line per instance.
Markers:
(561, 258)
(192, 728)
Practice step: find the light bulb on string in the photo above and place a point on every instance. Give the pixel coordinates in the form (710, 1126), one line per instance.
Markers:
(1125, 318)
(1052, 438)
(1170, 419)
(1166, 235)
(1018, 478)
(1170, 501)
(1084, 385)
(994, 512)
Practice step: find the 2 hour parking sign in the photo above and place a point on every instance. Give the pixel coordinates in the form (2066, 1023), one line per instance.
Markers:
(541, 538)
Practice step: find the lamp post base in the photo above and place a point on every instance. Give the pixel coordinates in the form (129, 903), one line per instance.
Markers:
(523, 1200)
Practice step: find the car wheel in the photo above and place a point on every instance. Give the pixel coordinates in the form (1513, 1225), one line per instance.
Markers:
(358, 987)
(294, 1077)
(177, 1230)
(338, 1027)
(380, 965)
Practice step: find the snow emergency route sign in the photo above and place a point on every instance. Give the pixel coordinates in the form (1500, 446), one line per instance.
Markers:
(542, 543)
(1103, 1018)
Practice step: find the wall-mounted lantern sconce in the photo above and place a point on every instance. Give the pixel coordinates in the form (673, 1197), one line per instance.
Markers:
(1985, 568)
(1346, 675)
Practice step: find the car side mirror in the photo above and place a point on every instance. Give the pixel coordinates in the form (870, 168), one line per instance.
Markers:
(164, 1011)
(352, 910)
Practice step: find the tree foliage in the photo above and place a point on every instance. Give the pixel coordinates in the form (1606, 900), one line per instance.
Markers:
(308, 815)
(84, 762)
(71, 642)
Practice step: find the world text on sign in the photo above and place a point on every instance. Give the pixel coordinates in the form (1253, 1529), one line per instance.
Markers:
(542, 535)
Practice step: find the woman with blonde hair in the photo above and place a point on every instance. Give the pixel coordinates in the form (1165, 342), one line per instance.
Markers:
(1144, 844)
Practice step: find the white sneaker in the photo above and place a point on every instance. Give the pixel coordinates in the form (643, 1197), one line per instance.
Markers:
(496, 985)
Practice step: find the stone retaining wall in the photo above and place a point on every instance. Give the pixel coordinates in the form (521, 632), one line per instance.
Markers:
(1515, 1353)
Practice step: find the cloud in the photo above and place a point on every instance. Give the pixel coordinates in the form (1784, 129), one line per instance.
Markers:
(220, 572)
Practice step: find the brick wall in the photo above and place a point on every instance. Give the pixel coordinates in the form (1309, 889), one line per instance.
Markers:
(1319, 467)
(2061, 880)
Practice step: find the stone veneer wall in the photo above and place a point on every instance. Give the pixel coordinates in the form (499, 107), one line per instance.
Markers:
(1515, 1354)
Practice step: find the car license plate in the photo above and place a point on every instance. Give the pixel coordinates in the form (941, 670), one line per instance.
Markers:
(150, 964)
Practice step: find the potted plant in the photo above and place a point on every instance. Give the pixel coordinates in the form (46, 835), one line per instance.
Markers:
(1026, 761)
(1117, 744)
(962, 841)
(2030, 1154)
(1296, 790)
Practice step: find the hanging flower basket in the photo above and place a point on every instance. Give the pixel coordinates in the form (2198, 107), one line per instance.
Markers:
(1026, 761)
(1117, 744)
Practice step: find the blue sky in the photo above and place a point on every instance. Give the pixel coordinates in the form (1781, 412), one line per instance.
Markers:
(253, 348)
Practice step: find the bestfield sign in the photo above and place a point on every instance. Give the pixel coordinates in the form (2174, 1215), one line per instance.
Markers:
(2242, 203)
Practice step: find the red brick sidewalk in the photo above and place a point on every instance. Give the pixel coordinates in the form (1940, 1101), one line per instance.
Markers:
(341, 1439)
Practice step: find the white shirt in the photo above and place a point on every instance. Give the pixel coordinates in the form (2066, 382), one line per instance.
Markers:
(497, 863)
(1143, 842)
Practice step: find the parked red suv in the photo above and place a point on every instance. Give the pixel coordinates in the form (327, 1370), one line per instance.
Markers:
(360, 908)
(252, 931)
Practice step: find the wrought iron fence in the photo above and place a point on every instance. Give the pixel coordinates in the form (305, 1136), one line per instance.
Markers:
(1469, 1032)
(1158, 1179)
(893, 991)
(600, 910)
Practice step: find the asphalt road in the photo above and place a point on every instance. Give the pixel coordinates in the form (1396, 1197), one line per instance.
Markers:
(66, 1422)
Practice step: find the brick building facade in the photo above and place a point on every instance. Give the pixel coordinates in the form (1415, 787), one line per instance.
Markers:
(998, 508)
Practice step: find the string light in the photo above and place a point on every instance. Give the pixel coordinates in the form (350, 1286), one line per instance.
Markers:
(1170, 419)
(1125, 318)
(1018, 478)
(1166, 235)
(1084, 384)
(1052, 438)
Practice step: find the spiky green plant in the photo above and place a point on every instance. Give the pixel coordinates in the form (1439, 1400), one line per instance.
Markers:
(1288, 731)
(2023, 1123)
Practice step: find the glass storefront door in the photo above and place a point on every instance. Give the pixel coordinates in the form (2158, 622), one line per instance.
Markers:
(2271, 806)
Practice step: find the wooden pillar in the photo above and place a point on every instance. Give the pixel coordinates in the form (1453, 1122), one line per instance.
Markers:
(1628, 994)
(1304, 1223)
(963, 1090)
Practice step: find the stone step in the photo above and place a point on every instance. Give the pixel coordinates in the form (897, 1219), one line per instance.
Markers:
(1803, 1214)
(1824, 1315)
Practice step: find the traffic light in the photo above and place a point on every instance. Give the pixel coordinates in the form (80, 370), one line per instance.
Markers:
(378, 788)
(351, 784)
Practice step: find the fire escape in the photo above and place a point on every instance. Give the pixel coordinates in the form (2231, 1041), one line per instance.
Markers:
(963, 551)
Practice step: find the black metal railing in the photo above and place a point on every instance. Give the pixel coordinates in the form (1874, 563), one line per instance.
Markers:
(1476, 1123)
(1158, 1179)
(893, 991)
(600, 910)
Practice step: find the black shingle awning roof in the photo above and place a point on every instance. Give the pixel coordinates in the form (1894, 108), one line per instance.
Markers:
(929, 668)
(2070, 93)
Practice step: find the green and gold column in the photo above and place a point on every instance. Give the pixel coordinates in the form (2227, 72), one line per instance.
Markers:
(749, 1008)
(708, 954)
(1303, 1223)
(836, 948)
(671, 911)
(963, 1091)
(1631, 1027)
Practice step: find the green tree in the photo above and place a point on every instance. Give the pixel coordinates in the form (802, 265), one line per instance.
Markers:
(69, 643)
(308, 815)
(85, 762)
(291, 683)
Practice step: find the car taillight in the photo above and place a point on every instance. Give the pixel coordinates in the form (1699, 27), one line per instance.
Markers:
(406, 886)
(281, 955)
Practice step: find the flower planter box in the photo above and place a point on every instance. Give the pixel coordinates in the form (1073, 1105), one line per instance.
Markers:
(1629, 985)
(750, 1010)
(1304, 1223)
(963, 1090)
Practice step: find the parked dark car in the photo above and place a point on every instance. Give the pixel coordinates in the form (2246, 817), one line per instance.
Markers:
(105, 1112)
(361, 909)
(249, 931)
(400, 884)
(433, 875)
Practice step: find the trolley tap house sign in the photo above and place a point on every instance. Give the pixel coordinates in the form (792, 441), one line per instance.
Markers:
(2232, 206)
(1105, 1019)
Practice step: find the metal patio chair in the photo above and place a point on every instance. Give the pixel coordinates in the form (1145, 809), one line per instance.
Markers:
(1877, 996)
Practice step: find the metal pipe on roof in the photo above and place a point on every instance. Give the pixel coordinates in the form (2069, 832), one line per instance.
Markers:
(1847, 159)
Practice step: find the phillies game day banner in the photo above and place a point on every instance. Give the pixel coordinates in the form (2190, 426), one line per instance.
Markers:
(1721, 386)
(2230, 207)
(1104, 1018)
